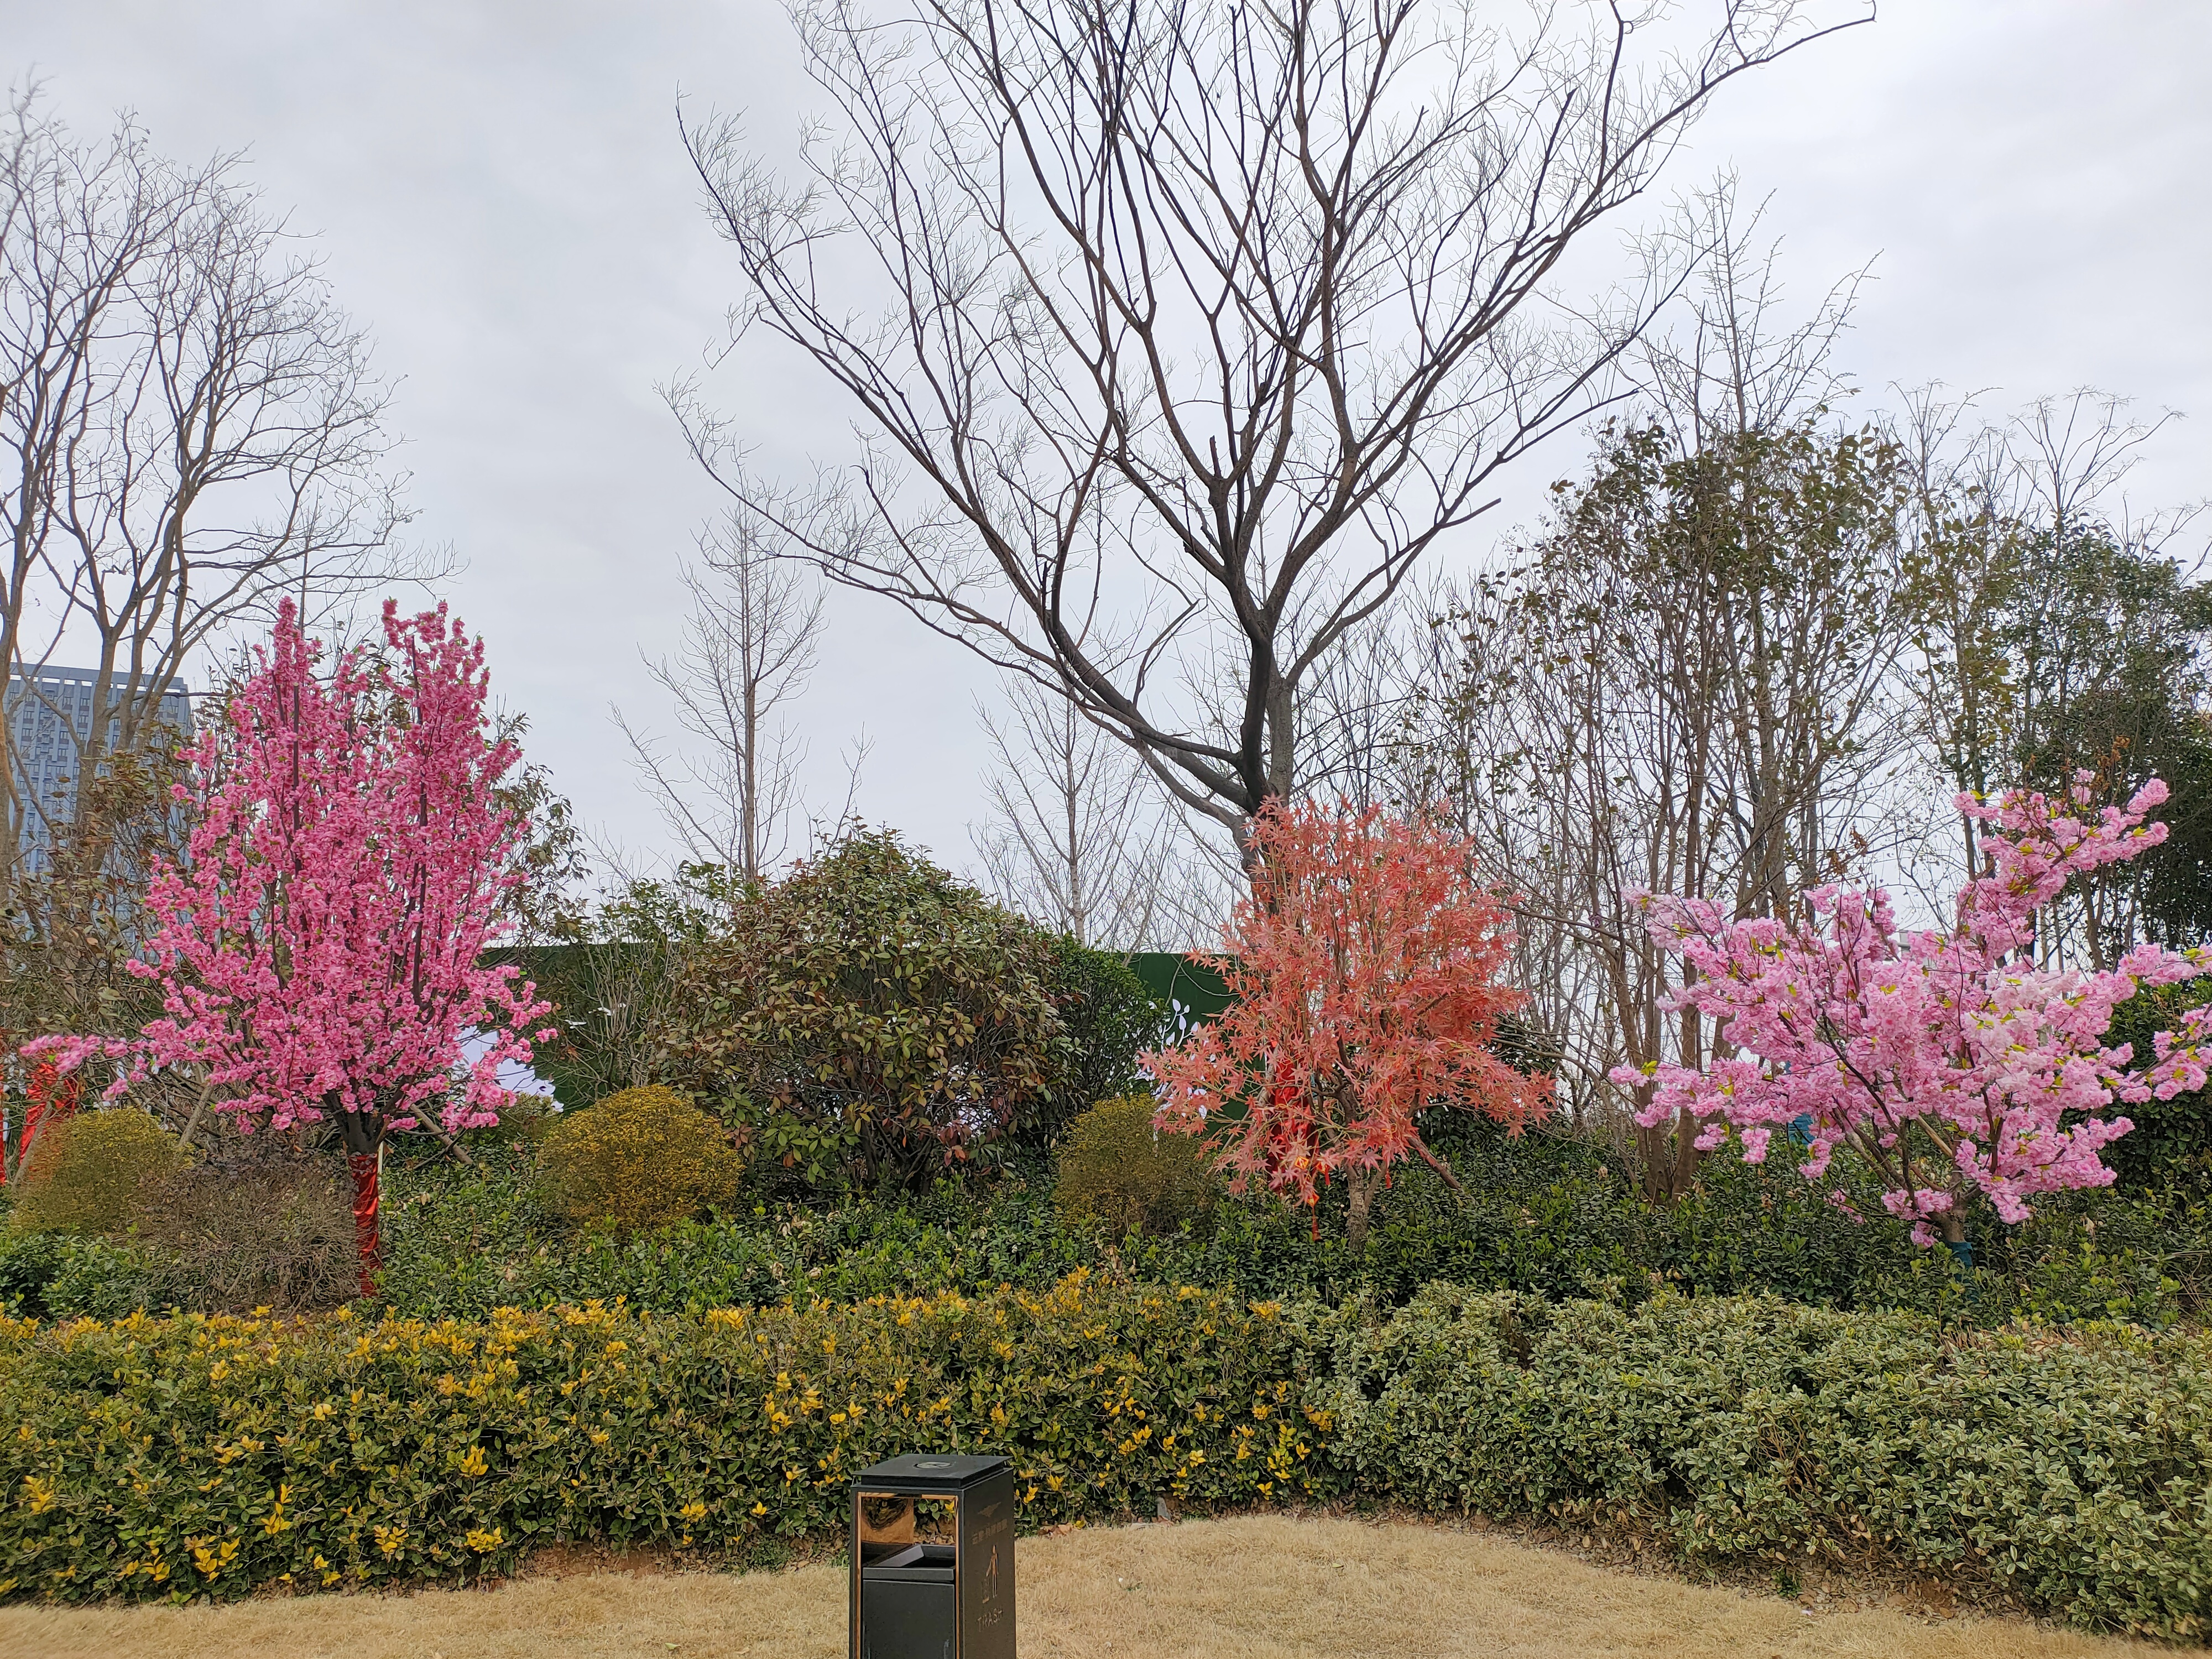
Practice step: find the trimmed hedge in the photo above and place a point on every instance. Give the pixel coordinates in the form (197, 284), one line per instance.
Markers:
(461, 1244)
(153, 1457)
(1544, 1215)
(2077, 1471)
(149, 1458)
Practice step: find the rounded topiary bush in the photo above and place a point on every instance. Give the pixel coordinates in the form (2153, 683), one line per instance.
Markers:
(1115, 1167)
(83, 1174)
(642, 1158)
(873, 1018)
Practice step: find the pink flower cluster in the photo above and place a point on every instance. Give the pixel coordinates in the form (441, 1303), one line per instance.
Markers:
(321, 948)
(1951, 1060)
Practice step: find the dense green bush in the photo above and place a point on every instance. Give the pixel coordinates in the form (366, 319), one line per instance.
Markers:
(2075, 1472)
(55, 1276)
(169, 1457)
(166, 1457)
(28, 1261)
(1115, 1168)
(1544, 1215)
(2168, 1135)
(1110, 1018)
(869, 1016)
(459, 1246)
(641, 1158)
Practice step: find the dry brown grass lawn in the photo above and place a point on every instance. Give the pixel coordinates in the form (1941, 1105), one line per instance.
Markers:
(1250, 1588)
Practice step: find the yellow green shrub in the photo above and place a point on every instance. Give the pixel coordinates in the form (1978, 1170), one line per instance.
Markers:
(83, 1174)
(642, 1158)
(150, 1458)
(166, 1457)
(1116, 1168)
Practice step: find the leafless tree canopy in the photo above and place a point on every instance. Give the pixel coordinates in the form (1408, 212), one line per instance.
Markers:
(731, 791)
(1179, 332)
(1081, 839)
(188, 424)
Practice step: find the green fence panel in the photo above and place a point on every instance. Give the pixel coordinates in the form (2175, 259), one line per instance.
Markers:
(1192, 991)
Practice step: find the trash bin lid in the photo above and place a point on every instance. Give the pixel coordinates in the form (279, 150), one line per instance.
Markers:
(943, 1471)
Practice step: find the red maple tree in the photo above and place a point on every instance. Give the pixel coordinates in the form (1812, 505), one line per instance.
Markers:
(1365, 968)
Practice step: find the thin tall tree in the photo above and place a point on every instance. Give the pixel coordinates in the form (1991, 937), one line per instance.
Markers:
(748, 650)
(190, 429)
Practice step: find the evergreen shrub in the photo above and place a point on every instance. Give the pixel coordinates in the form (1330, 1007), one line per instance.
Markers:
(59, 1276)
(1545, 1214)
(641, 1158)
(2072, 1471)
(1110, 1018)
(165, 1457)
(151, 1458)
(869, 1021)
(1117, 1169)
(83, 1174)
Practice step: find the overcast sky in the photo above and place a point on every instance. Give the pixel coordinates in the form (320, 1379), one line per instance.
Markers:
(500, 194)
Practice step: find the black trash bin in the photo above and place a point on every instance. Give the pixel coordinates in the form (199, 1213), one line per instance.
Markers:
(933, 1558)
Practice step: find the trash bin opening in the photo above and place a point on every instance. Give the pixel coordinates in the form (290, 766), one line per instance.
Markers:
(888, 1517)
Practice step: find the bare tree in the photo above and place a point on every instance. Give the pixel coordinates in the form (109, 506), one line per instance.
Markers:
(188, 427)
(748, 649)
(1080, 837)
(1205, 322)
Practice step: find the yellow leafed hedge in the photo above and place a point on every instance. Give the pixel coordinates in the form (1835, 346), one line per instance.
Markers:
(150, 1458)
(156, 1457)
(85, 1173)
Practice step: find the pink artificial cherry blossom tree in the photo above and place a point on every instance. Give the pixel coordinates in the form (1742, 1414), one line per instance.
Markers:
(321, 952)
(1952, 1061)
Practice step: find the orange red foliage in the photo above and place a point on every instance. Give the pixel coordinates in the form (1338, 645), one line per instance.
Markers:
(1366, 971)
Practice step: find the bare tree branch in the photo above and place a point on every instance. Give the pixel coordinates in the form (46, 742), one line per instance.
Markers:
(189, 427)
(1206, 323)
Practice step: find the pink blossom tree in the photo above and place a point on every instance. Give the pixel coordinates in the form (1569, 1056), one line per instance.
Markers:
(1365, 970)
(319, 953)
(1955, 1060)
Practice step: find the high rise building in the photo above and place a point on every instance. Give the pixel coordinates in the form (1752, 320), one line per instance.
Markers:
(49, 715)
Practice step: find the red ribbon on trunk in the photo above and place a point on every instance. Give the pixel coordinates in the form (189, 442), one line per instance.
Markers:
(365, 1168)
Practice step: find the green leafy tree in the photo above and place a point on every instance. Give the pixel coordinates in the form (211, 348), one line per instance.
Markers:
(2108, 644)
(1687, 684)
(1110, 1019)
(870, 1016)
